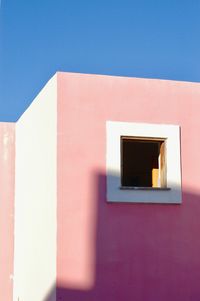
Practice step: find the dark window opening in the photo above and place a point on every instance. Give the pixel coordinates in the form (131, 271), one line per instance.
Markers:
(143, 162)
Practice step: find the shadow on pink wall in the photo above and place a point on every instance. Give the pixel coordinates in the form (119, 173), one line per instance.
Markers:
(144, 252)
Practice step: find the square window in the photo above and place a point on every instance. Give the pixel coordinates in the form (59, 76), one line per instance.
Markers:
(143, 163)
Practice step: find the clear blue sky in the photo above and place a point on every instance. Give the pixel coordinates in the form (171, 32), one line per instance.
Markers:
(138, 38)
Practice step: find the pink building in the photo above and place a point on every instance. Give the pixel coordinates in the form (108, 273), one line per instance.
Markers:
(100, 192)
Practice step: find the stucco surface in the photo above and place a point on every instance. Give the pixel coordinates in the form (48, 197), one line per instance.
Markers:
(68, 239)
(124, 252)
(7, 178)
(36, 198)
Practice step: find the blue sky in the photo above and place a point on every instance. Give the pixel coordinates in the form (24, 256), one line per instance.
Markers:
(138, 38)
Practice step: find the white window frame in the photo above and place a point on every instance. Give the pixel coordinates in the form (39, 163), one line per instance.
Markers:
(171, 134)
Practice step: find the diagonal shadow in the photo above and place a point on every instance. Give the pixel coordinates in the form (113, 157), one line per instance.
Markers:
(144, 252)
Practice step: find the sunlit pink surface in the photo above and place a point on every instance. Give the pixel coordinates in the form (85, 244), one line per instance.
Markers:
(7, 174)
(123, 252)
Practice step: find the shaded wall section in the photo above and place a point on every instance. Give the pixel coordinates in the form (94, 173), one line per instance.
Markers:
(153, 260)
(7, 178)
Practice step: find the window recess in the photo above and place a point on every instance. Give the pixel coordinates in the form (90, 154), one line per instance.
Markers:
(143, 163)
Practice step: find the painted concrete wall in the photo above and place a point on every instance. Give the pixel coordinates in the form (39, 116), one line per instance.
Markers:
(7, 162)
(124, 252)
(68, 238)
(35, 198)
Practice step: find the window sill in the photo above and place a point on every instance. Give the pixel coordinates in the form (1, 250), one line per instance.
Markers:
(144, 188)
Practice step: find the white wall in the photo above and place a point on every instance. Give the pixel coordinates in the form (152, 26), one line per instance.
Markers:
(35, 198)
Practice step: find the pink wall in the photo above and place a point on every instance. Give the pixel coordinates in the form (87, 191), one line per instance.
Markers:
(123, 252)
(7, 149)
